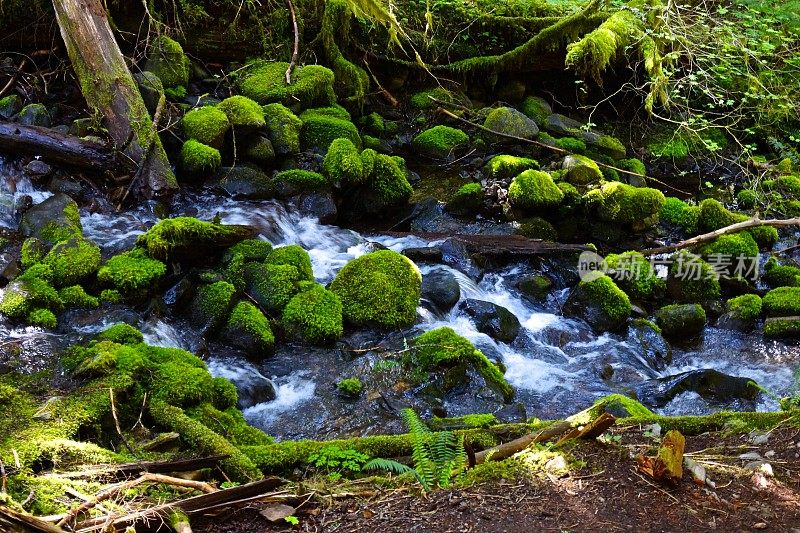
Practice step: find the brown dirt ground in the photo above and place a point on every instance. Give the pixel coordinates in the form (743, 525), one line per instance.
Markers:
(605, 493)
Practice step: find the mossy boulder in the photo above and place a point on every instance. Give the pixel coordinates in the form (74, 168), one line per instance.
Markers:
(782, 327)
(198, 161)
(606, 145)
(598, 301)
(243, 113)
(386, 187)
(537, 109)
(692, 280)
(379, 289)
(247, 328)
(572, 145)
(636, 276)
(121, 334)
(343, 164)
(34, 115)
(713, 216)
(289, 183)
(265, 82)
(44, 318)
(781, 275)
(678, 213)
(422, 101)
(271, 286)
(440, 142)
(505, 167)
(76, 297)
(783, 301)
(736, 253)
(509, 121)
(245, 180)
(742, 312)
(467, 200)
(295, 256)
(580, 170)
(681, 321)
(132, 272)
(320, 129)
(534, 190)
(537, 228)
(260, 150)
(623, 204)
(444, 348)
(251, 250)
(179, 237)
(314, 315)
(167, 61)
(72, 260)
(283, 128)
(207, 125)
(32, 290)
(212, 305)
(56, 219)
(9, 106)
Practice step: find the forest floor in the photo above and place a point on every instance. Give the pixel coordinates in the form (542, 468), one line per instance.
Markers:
(603, 491)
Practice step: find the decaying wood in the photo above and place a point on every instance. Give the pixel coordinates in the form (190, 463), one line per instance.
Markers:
(196, 504)
(499, 245)
(109, 87)
(594, 429)
(14, 522)
(126, 470)
(667, 466)
(733, 228)
(295, 46)
(57, 148)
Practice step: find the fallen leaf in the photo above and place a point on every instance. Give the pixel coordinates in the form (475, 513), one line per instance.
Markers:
(276, 512)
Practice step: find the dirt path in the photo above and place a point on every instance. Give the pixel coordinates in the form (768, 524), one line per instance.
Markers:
(605, 493)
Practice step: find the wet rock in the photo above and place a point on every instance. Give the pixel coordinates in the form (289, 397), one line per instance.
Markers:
(65, 186)
(253, 387)
(681, 321)
(320, 205)
(245, 181)
(512, 414)
(543, 351)
(709, 384)
(9, 269)
(600, 303)
(651, 346)
(23, 203)
(151, 88)
(535, 287)
(456, 255)
(562, 125)
(34, 115)
(424, 254)
(10, 106)
(56, 215)
(492, 319)
(260, 150)
(37, 169)
(180, 293)
(511, 122)
(441, 288)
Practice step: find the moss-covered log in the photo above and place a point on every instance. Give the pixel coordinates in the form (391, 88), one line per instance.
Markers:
(109, 87)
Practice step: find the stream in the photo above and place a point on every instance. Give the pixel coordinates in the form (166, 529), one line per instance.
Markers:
(555, 363)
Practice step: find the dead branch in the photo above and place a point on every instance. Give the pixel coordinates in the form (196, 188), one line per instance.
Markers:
(296, 47)
(116, 423)
(733, 228)
(125, 470)
(16, 522)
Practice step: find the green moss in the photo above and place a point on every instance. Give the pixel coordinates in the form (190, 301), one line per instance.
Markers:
(609, 147)
(591, 55)
(623, 204)
(478, 420)
(537, 228)
(180, 234)
(29, 292)
(782, 276)
(635, 275)
(374, 124)
(295, 256)
(714, 215)
(536, 108)
(674, 147)
(780, 327)
(614, 303)
(734, 245)
(199, 160)
(693, 279)
(132, 272)
(509, 121)
(343, 163)
(368, 160)
(247, 320)
(747, 198)
(75, 296)
(63, 228)
(73, 260)
(534, 189)
(440, 141)
(265, 83)
(571, 145)
(32, 252)
(283, 128)
(380, 288)
(212, 304)
(314, 315)
(746, 307)
(422, 101)
(504, 167)
(42, 317)
(272, 286)
(681, 320)
(619, 405)
(634, 165)
(296, 181)
(581, 170)
(467, 200)
(229, 423)
(783, 301)
(334, 111)
(110, 296)
(443, 347)
(168, 62)
(388, 183)
(678, 213)
(207, 125)
(249, 249)
(350, 387)
(321, 129)
(121, 334)
(243, 112)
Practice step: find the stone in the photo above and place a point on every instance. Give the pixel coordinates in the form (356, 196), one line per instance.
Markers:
(511, 122)
(492, 319)
(245, 181)
(260, 150)
(320, 205)
(709, 384)
(34, 115)
(9, 268)
(56, 217)
(37, 169)
(10, 106)
(562, 125)
(440, 287)
(681, 321)
(151, 89)
(581, 170)
(650, 345)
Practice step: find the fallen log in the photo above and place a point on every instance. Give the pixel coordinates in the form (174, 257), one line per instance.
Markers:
(108, 87)
(126, 470)
(499, 245)
(58, 149)
(15, 522)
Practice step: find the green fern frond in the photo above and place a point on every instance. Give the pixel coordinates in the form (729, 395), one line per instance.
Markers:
(388, 465)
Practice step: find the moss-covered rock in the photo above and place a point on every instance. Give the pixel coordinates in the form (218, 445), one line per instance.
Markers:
(271, 286)
(422, 100)
(343, 163)
(537, 228)
(207, 125)
(747, 199)
(509, 121)
(536, 108)
(334, 111)
(54, 220)
(250, 250)
(781, 275)
(504, 167)
(249, 329)
(289, 183)
(212, 305)
(580, 170)
(132, 272)
(783, 301)
(34, 115)
(692, 280)
(76, 296)
(623, 204)
(387, 185)
(9, 106)
(167, 61)
(380, 288)
(440, 142)
(314, 316)
(606, 145)
(260, 150)
(713, 216)
(533, 190)
(636, 276)
(350, 387)
(782, 327)
(746, 307)
(678, 213)
(198, 160)
(243, 113)
(467, 200)
(320, 129)
(735, 249)
(283, 128)
(681, 321)
(174, 237)
(72, 260)
(43, 318)
(443, 348)
(121, 334)
(600, 302)
(572, 145)
(295, 256)
(245, 180)
(265, 82)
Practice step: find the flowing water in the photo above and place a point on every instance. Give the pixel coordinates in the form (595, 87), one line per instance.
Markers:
(555, 363)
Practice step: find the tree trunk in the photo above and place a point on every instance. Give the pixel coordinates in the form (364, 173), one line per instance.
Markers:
(109, 87)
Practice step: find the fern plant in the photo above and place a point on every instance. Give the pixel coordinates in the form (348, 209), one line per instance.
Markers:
(438, 456)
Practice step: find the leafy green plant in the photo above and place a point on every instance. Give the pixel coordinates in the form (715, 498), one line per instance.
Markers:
(338, 462)
(438, 456)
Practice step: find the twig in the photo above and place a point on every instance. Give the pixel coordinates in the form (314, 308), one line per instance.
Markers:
(296, 47)
(116, 423)
(13, 78)
(545, 145)
(3, 475)
(733, 228)
(789, 249)
(381, 90)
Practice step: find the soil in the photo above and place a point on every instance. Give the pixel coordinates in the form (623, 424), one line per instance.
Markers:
(605, 492)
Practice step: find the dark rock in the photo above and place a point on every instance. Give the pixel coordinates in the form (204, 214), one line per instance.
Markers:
(456, 255)
(252, 387)
(512, 414)
(424, 254)
(9, 268)
(245, 181)
(37, 169)
(10, 106)
(151, 88)
(52, 214)
(582, 304)
(440, 287)
(68, 187)
(535, 287)
(651, 346)
(509, 121)
(320, 205)
(492, 319)
(562, 125)
(260, 150)
(23, 203)
(81, 127)
(709, 384)
(34, 115)
(511, 91)
(180, 293)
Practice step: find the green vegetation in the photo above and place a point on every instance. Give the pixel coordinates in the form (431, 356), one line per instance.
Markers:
(783, 301)
(746, 307)
(76, 296)
(534, 189)
(182, 234)
(581, 170)
(635, 275)
(272, 286)
(207, 125)
(295, 181)
(693, 280)
(242, 112)
(612, 301)
(249, 250)
(314, 315)
(503, 167)
(283, 128)
(623, 204)
(678, 213)
(343, 163)
(42, 317)
(73, 260)
(388, 183)
(199, 160)
(350, 387)
(468, 199)
(440, 141)
(132, 272)
(295, 256)
(248, 328)
(167, 61)
(321, 128)
(781, 275)
(681, 320)
(266, 83)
